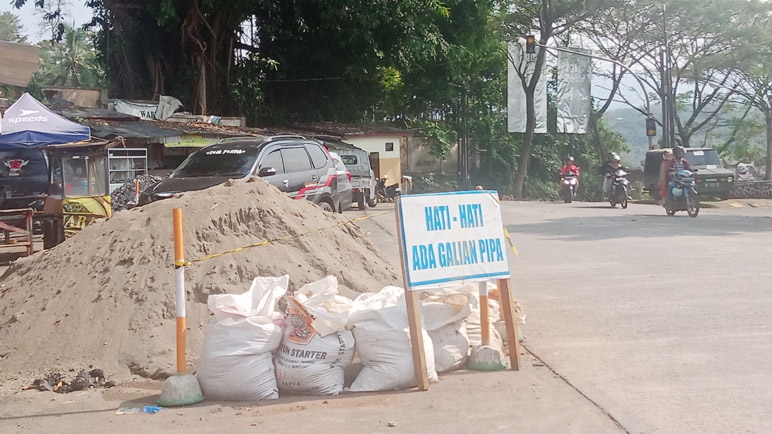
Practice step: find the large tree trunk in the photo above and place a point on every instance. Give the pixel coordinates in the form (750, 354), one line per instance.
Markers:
(602, 148)
(768, 169)
(201, 89)
(525, 152)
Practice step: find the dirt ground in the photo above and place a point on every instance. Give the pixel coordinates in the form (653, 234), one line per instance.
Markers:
(533, 400)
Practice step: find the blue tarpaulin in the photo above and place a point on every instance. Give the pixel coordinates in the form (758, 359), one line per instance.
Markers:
(28, 124)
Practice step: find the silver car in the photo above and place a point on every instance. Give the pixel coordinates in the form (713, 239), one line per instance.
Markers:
(345, 191)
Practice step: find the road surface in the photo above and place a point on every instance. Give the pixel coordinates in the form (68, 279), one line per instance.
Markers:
(664, 322)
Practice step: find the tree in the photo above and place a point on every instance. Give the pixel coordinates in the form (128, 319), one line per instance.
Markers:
(70, 62)
(547, 19)
(702, 52)
(52, 15)
(10, 28)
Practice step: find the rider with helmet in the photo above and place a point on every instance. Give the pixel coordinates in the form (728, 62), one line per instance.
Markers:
(673, 166)
(613, 164)
(569, 167)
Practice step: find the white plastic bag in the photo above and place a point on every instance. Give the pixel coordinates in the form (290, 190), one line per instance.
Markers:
(315, 348)
(236, 361)
(382, 334)
(443, 312)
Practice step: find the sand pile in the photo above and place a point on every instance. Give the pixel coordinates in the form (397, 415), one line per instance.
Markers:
(106, 296)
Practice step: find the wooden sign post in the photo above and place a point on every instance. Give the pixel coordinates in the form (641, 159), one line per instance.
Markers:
(413, 317)
(446, 239)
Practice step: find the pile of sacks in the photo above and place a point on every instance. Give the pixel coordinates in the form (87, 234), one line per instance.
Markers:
(253, 352)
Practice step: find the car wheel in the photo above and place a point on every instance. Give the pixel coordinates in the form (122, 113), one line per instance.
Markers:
(326, 205)
(371, 202)
(361, 201)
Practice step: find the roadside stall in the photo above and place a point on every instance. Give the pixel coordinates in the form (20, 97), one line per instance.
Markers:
(80, 189)
(50, 165)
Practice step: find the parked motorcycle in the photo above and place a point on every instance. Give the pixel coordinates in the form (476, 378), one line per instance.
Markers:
(620, 187)
(685, 197)
(387, 193)
(568, 184)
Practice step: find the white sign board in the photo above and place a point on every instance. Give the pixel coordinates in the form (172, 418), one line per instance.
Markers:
(451, 237)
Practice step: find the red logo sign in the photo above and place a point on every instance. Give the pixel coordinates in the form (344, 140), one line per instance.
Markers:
(14, 166)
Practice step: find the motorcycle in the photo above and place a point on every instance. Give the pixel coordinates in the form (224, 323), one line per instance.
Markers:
(384, 193)
(685, 196)
(620, 186)
(568, 184)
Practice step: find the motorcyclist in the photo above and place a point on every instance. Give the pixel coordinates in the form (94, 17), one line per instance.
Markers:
(610, 168)
(570, 167)
(673, 166)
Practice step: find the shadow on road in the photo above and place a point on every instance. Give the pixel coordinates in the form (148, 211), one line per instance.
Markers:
(647, 226)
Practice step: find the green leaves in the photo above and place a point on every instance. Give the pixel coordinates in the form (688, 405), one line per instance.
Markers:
(11, 28)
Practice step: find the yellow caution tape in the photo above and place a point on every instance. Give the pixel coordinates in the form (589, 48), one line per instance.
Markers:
(276, 240)
(511, 244)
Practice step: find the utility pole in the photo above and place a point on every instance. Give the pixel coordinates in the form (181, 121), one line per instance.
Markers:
(463, 143)
(668, 100)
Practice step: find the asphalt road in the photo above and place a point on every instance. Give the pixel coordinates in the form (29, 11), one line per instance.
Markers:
(663, 322)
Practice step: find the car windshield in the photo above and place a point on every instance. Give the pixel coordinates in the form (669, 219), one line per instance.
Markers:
(22, 163)
(236, 162)
(703, 159)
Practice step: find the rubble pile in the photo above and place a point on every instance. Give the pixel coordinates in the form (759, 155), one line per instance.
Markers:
(125, 196)
(56, 381)
(106, 296)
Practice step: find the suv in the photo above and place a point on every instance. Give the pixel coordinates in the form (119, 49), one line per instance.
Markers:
(298, 166)
(712, 178)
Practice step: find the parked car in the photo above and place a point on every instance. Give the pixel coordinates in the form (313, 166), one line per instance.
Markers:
(363, 180)
(712, 178)
(345, 191)
(298, 166)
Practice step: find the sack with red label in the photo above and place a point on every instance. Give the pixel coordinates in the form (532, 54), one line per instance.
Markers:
(315, 348)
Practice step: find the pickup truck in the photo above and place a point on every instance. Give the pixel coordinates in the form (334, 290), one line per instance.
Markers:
(712, 178)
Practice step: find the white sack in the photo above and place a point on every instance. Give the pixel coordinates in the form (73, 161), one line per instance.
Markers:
(236, 361)
(382, 335)
(315, 368)
(443, 312)
(315, 347)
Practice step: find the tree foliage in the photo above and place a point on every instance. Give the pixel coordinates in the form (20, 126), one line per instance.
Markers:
(11, 29)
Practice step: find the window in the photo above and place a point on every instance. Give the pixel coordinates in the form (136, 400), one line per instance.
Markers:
(22, 163)
(389, 146)
(296, 160)
(349, 160)
(318, 156)
(217, 161)
(273, 160)
(703, 158)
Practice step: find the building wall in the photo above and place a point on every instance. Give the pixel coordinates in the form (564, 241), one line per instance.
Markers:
(389, 161)
(79, 97)
(417, 158)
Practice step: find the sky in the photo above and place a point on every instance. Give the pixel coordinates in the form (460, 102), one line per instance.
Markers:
(76, 12)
